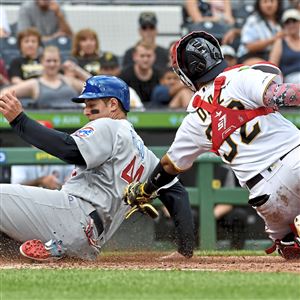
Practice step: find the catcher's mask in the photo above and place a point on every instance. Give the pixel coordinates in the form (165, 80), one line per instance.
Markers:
(104, 86)
(197, 58)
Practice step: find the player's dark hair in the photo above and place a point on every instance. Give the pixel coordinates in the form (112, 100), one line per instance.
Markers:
(106, 100)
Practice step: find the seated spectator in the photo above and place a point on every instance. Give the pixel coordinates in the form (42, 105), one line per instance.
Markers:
(286, 51)
(201, 11)
(28, 64)
(148, 33)
(86, 52)
(260, 32)
(52, 89)
(4, 81)
(142, 76)
(110, 66)
(4, 25)
(211, 16)
(229, 55)
(241, 10)
(171, 92)
(46, 16)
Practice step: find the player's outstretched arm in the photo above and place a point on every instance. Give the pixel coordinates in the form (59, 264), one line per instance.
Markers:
(176, 200)
(59, 144)
(285, 94)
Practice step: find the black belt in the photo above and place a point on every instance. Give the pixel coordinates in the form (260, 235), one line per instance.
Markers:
(257, 178)
(97, 221)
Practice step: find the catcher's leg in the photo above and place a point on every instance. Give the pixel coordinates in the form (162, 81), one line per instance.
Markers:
(277, 199)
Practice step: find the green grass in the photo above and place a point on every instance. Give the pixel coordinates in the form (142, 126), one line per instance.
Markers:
(94, 284)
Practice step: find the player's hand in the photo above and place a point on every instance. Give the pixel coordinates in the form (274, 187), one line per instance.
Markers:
(138, 199)
(10, 106)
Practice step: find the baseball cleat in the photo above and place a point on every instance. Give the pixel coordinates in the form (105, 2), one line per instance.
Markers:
(37, 250)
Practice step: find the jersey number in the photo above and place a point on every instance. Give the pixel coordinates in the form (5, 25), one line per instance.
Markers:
(246, 138)
(129, 174)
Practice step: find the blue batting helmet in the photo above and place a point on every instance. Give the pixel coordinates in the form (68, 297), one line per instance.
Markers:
(104, 86)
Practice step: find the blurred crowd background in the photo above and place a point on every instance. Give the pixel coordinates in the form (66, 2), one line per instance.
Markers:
(49, 48)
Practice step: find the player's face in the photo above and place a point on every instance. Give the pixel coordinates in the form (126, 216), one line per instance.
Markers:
(29, 46)
(96, 109)
(144, 58)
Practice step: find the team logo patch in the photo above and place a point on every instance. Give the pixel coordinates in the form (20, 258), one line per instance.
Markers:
(85, 131)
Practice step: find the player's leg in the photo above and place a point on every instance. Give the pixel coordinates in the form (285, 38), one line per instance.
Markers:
(282, 192)
(34, 213)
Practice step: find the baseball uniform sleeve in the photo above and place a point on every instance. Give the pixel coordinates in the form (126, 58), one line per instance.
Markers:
(250, 86)
(95, 141)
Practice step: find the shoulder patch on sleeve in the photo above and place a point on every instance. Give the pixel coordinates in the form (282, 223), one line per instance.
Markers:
(85, 132)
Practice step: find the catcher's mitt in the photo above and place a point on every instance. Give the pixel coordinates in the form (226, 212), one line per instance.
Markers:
(138, 199)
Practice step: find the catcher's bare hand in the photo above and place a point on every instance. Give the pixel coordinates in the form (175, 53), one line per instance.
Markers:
(135, 196)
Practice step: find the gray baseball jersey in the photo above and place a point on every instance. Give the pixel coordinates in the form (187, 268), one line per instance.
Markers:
(115, 155)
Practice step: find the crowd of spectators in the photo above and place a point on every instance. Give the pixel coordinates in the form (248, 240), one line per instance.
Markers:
(249, 31)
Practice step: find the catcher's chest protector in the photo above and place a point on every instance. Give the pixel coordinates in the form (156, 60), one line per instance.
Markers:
(225, 121)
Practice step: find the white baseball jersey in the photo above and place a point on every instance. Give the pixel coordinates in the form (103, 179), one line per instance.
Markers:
(115, 156)
(250, 149)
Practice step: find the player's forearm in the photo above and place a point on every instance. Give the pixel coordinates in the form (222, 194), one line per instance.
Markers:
(59, 144)
(176, 200)
(285, 94)
(160, 176)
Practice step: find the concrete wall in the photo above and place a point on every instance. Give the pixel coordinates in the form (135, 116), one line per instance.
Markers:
(117, 25)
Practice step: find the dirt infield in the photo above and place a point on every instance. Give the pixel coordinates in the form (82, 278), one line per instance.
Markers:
(154, 261)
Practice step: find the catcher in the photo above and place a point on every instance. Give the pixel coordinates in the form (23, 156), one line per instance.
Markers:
(108, 154)
(233, 113)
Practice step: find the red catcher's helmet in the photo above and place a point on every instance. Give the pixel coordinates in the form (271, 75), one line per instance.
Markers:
(197, 58)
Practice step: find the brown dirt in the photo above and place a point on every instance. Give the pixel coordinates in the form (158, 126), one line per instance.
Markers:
(153, 260)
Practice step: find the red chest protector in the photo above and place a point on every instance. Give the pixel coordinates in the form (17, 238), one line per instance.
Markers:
(225, 120)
